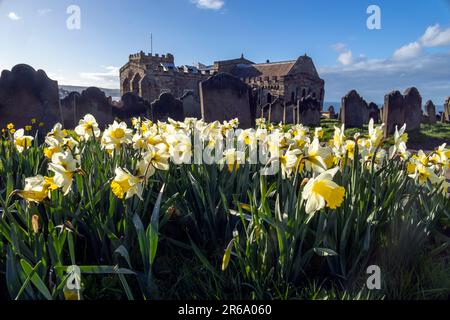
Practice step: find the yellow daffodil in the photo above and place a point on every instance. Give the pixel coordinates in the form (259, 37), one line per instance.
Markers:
(323, 191)
(125, 185)
(37, 189)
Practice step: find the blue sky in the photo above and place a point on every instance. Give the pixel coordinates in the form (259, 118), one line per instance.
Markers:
(412, 48)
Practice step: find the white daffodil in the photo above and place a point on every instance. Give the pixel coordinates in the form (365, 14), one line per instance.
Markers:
(156, 158)
(64, 166)
(125, 185)
(21, 141)
(315, 157)
(375, 133)
(88, 128)
(116, 135)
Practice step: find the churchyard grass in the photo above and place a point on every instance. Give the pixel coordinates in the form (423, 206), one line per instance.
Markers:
(90, 214)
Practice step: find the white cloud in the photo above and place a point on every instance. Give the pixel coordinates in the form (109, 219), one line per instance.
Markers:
(209, 4)
(106, 79)
(373, 78)
(44, 12)
(408, 51)
(346, 58)
(339, 47)
(434, 36)
(14, 16)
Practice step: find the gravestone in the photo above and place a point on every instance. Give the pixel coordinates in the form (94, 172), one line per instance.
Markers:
(354, 110)
(309, 111)
(191, 105)
(26, 94)
(446, 113)
(276, 113)
(374, 112)
(331, 112)
(91, 101)
(400, 109)
(131, 106)
(413, 109)
(431, 111)
(167, 107)
(225, 97)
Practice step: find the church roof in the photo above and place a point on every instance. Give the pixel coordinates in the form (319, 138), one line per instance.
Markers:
(302, 65)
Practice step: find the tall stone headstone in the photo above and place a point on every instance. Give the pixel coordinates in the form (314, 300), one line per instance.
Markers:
(225, 97)
(309, 111)
(167, 107)
(26, 94)
(446, 113)
(277, 110)
(191, 105)
(413, 108)
(431, 111)
(331, 112)
(354, 110)
(93, 101)
(402, 109)
(374, 112)
(131, 105)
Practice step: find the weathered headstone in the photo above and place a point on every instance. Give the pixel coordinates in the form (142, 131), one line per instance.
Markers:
(413, 109)
(402, 109)
(191, 105)
(354, 110)
(431, 111)
(374, 112)
(225, 97)
(331, 112)
(91, 101)
(131, 106)
(276, 113)
(167, 107)
(309, 111)
(446, 113)
(26, 94)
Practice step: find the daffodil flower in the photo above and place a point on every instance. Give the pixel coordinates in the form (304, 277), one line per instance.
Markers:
(322, 191)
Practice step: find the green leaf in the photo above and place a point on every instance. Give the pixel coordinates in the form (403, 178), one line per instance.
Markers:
(31, 274)
(154, 227)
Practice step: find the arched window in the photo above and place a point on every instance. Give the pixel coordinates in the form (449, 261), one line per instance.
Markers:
(303, 93)
(292, 96)
(135, 84)
(269, 98)
(126, 86)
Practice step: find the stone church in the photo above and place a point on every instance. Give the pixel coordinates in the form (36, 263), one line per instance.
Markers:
(149, 76)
